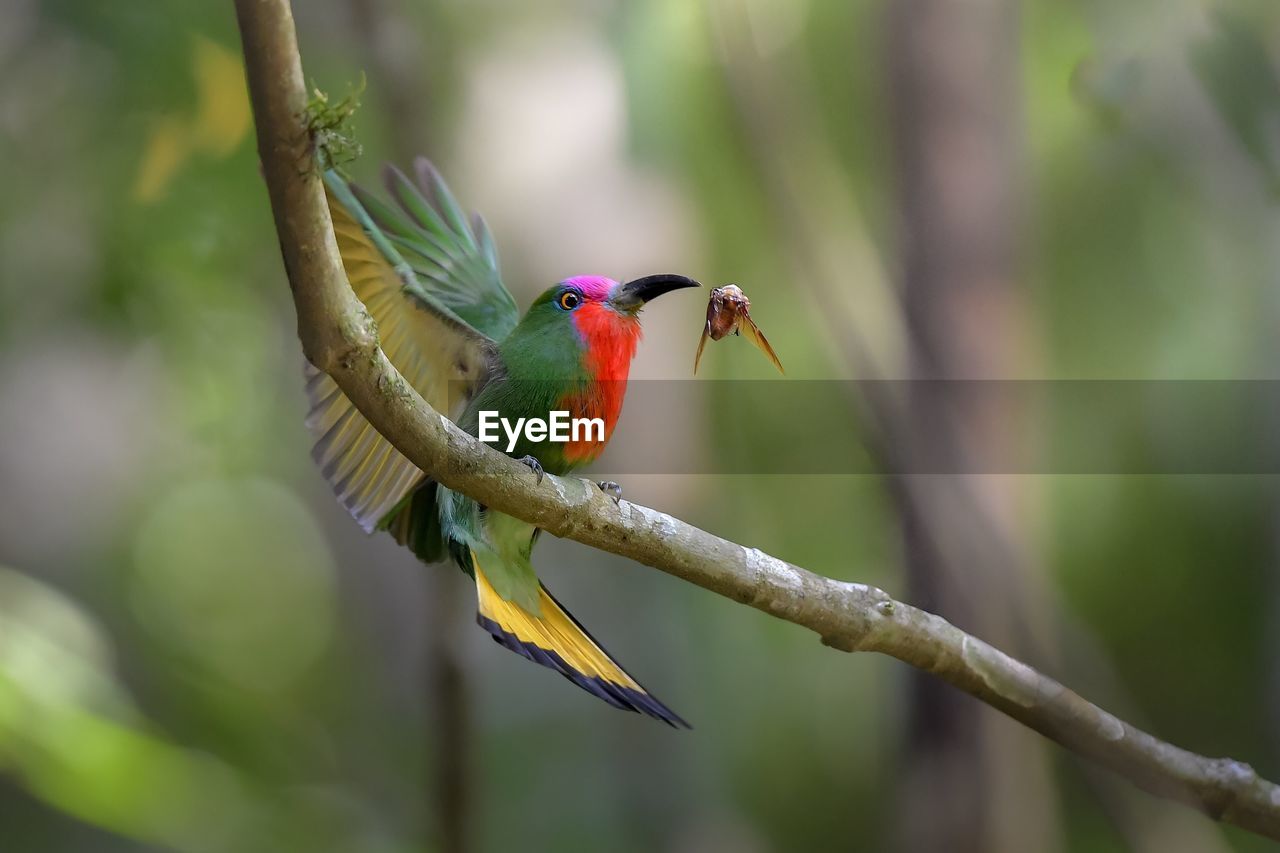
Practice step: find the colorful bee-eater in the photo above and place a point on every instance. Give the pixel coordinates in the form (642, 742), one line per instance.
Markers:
(429, 277)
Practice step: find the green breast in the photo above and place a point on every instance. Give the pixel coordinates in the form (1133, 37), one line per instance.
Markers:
(543, 361)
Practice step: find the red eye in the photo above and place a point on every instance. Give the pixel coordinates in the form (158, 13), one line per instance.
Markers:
(569, 300)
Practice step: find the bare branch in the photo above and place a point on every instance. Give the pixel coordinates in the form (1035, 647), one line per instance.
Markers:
(339, 337)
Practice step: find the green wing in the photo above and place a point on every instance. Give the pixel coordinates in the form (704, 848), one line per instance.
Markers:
(453, 262)
(430, 280)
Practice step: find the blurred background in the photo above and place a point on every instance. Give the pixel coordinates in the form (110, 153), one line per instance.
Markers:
(200, 651)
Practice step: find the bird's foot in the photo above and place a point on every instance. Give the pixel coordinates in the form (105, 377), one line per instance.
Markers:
(611, 489)
(534, 465)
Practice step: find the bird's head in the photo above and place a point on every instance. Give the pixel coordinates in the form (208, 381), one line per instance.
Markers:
(600, 315)
(588, 295)
(601, 310)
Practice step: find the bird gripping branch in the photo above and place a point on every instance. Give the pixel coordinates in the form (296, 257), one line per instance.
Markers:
(429, 277)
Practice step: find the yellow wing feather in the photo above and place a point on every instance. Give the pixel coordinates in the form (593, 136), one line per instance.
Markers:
(369, 476)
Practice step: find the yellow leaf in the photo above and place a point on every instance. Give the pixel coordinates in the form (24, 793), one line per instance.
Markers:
(221, 121)
(166, 150)
(222, 102)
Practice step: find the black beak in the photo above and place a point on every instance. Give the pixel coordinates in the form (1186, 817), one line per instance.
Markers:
(634, 294)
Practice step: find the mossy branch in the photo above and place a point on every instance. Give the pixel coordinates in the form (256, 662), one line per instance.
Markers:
(339, 337)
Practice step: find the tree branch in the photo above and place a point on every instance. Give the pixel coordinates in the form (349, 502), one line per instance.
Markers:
(339, 337)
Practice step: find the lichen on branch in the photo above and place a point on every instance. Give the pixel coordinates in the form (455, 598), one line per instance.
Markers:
(330, 127)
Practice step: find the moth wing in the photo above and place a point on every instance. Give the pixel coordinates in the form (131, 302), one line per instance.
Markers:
(749, 328)
(706, 333)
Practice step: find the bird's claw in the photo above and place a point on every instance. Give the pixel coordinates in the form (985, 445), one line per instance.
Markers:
(611, 489)
(534, 465)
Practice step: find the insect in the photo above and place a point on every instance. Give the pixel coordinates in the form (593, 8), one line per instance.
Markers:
(729, 311)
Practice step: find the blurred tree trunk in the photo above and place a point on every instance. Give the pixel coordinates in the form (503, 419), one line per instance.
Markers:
(449, 715)
(397, 78)
(392, 53)
(971, 782)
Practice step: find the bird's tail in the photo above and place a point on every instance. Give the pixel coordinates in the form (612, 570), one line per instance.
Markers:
(557, 641)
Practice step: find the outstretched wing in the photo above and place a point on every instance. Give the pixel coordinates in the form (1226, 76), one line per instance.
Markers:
(431, 284)
(454, 262)
(702, 343)
(752, 332)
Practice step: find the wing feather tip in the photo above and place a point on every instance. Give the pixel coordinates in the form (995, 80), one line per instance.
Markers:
(427, 174)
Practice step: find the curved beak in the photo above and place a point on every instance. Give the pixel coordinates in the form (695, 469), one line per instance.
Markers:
(632, 296)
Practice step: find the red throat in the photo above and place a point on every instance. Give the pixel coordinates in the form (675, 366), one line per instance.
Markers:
(611, 340)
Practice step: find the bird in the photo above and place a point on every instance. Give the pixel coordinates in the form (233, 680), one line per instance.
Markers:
(429, 276)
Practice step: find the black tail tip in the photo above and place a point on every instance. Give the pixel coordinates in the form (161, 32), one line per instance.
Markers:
(619, 696)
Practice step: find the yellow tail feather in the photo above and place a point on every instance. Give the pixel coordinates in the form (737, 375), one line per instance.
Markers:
(557, 641)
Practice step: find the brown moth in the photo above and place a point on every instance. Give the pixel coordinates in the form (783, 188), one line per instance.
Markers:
(729, 311)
